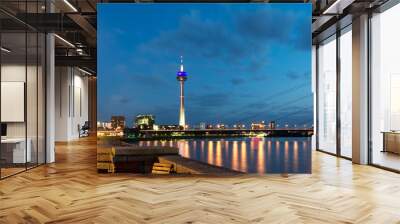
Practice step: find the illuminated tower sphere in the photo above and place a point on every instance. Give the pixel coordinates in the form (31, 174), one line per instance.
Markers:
(181, 76)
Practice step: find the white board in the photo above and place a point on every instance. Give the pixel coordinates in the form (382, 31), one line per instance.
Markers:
(12, 101)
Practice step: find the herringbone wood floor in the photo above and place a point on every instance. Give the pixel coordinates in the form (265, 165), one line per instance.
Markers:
(71, 191)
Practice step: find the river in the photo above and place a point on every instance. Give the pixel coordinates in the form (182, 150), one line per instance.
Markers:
(249, 155)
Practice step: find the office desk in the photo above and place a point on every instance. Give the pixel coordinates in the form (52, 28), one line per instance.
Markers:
(13, 150)
(391, 141)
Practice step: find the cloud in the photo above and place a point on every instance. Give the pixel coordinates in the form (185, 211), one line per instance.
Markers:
(165, 114)
(247, 39)
(119, 31)
(149, 80)
(279, 26)
(199, 37)
(293, 75)
(211, 100)
(121, 68)
(296, 75)
(120, 99)
(259, 77)
(237, 81)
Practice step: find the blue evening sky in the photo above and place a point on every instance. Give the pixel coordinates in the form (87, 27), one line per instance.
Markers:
(245, 62)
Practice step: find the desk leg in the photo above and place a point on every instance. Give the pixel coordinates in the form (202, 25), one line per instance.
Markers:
(384, 142)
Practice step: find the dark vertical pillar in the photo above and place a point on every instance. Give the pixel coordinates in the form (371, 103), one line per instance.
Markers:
(92, 107)
(360, 90)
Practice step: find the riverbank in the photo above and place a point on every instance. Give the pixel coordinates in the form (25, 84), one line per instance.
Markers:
(143, 159)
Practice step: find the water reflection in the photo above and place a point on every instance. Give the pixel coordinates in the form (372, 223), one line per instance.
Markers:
(218, 156)
(235, 157)
(210, 152)
(295, 156)
(243, 157)
(250, 155)
(261, 157)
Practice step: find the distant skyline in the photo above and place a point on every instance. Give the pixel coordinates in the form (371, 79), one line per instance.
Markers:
(245, 62)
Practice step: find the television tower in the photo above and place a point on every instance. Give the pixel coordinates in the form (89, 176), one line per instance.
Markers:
(181, 76)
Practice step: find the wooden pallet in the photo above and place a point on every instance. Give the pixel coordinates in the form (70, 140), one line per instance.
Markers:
(105, 160)
(162, 168)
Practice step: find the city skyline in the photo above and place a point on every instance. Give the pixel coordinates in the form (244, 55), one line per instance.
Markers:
(242, 68)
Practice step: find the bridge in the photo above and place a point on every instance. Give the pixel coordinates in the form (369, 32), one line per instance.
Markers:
(276, 132)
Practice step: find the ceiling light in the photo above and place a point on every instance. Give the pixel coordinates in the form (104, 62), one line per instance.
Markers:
(64, 40)
(331, 7)
(84, 71)
(337, 7)
(5, 50)
(70, 5)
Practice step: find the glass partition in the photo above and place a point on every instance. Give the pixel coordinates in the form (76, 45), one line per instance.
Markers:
(385, 89)
(22, 88)
(14, 153)
(327, 95)
(346, 92)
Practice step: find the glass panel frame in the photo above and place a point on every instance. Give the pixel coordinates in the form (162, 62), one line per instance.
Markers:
(327, 77)
(384, 127)
(345, 61)
(14, 143)
(24, 60)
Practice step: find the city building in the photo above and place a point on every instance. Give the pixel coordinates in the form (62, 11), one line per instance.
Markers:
(272, 125)
(145, 122)
(181, 76)
(169, 127)
(118, 122)
(258, 126)
(202, 126)
(239, 126)
(104, 125)
(221, 126)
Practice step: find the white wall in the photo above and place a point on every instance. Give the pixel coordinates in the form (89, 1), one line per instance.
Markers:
(33, 126)
(12, 73)
(17, 73)
(71, 103)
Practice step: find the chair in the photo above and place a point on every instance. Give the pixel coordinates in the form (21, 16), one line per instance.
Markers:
(84, 130)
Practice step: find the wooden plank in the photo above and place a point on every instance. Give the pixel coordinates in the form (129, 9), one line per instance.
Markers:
(163, 165)
(159, 168)
(159, 172)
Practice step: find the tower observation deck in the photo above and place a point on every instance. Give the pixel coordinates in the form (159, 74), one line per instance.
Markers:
(181, 76)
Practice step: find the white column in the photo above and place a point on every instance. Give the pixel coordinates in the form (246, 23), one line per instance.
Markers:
(360, 90)
(314, 92)
(50, 99)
